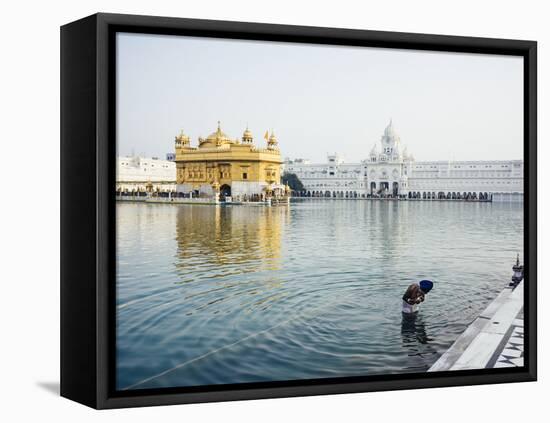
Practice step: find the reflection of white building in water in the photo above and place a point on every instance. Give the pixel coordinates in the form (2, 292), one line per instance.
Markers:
(390, 170)
(141, 174)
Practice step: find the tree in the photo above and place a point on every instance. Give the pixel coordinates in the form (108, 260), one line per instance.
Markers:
(293, 181)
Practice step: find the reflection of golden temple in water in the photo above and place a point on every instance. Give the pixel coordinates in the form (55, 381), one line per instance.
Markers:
(246, 239)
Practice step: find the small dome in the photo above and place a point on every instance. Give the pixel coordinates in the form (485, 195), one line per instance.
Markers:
(374, 150)
(182, 138)
(272, 142)
(247, 133)
(390, 130)
(183, 134)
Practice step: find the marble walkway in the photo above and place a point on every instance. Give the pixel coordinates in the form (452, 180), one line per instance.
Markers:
(511, 354)
(493, 340)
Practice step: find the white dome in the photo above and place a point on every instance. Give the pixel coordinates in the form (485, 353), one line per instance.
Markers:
(374, 150)
(390, 130)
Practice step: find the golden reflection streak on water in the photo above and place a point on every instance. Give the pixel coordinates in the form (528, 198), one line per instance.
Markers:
(222, 237)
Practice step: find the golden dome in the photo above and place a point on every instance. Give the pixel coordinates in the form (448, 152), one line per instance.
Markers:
(216, 139)
(272, 142)
(219, 134)
(183, 135)
(247, 136)
(182, 138)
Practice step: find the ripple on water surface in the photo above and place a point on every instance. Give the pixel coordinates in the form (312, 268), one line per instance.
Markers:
(215, 295)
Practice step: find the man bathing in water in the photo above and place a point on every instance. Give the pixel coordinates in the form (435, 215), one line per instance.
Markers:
(415, 294)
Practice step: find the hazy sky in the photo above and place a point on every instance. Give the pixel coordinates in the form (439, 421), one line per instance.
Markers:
(318, 99)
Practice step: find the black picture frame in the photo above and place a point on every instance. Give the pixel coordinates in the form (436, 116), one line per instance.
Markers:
(88, 150)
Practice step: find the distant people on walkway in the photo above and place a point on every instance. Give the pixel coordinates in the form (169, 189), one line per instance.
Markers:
(415, 294)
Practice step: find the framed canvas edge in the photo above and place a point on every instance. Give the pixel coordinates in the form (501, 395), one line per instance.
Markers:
(107, 23)
(78, 230)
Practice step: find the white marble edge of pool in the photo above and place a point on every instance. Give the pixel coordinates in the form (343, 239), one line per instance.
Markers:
(474, 348)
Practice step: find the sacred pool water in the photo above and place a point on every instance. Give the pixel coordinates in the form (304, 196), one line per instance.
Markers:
(230, 294)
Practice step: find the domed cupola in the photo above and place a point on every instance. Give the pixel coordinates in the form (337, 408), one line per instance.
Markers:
(390, 142)
(182, 140)
(390, 130)
(247, 136)
(272, 143)
(374, 152)
(215, 139)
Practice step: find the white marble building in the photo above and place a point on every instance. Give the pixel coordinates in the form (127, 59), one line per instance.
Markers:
(391, 171)
(145, 174)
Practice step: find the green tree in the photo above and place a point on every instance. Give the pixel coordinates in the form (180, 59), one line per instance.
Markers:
(293, 181)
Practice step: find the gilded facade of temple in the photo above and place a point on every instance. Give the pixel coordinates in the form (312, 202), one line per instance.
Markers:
(228, 167)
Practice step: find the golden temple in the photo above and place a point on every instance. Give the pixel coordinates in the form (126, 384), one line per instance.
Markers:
(221, 165)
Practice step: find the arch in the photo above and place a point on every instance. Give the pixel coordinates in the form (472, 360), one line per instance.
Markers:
(225, 191)
(395, 188)
(372, 187)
